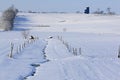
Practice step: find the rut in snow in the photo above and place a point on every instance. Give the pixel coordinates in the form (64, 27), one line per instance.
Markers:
(55, 51)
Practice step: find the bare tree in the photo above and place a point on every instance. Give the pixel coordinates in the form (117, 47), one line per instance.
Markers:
(110, 12)
(98, 11)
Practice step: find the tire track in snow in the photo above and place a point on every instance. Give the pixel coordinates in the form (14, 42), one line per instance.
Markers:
(87, 71)
(58, 55)
(113, 69)
(55, 51)
(104, 72)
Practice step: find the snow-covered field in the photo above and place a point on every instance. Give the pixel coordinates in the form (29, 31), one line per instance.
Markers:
(98, 37)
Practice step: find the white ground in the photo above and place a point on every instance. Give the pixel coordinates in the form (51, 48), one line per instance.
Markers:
(98, 37)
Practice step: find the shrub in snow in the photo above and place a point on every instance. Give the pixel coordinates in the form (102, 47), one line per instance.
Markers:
(25, 34)
(7, 18)
(64, 29)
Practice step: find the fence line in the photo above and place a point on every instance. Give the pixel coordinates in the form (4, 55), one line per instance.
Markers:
(74, 51)
(20, 47)
(77, 51)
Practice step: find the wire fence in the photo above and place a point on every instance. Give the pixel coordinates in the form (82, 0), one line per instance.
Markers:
(71, 49)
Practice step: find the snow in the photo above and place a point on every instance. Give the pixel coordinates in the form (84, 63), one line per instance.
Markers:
(75, 67)
(72, 22)
(18, 67)
(98, 37)
(54, 52)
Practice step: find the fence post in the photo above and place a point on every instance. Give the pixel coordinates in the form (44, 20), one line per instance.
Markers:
(69, 48)
(119, 52)
(24, 44)
(20, 48)
(76, 51)
(80, 51)
(11, 51)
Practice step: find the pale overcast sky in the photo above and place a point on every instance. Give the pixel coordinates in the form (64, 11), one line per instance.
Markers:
(61, 5)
